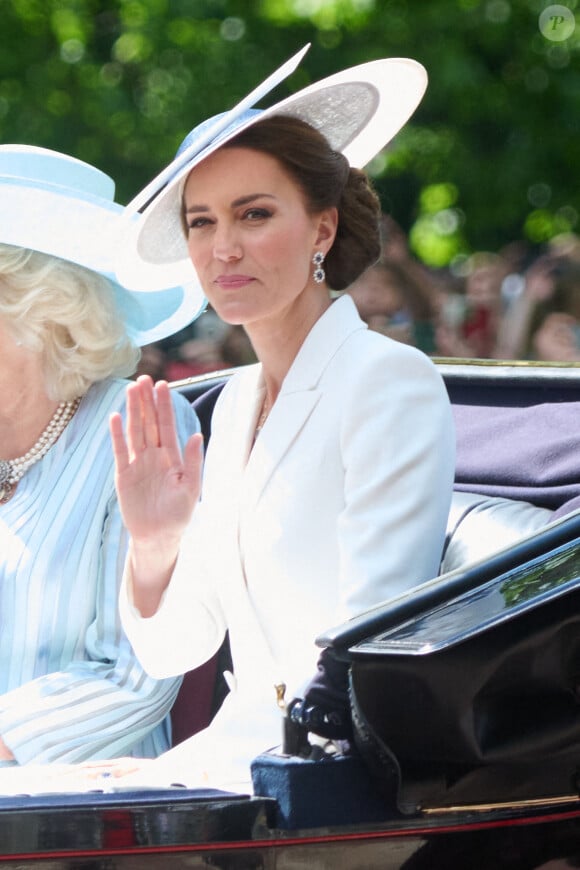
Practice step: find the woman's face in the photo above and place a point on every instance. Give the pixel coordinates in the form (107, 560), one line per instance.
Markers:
(250, 236)
(556, 338)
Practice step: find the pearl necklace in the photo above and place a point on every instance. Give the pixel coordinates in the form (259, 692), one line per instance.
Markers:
(12, 470)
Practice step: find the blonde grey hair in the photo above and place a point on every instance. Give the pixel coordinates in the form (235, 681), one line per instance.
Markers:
(68, 315)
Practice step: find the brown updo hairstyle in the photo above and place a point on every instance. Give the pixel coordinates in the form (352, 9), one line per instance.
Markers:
(327, 181)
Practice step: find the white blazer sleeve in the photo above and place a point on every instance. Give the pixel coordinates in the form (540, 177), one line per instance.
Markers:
(188, 626)
(398, 447)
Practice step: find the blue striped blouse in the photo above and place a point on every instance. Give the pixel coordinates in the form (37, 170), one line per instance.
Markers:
(71, 688)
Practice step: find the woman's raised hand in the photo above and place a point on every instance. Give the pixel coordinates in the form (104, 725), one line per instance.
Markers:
(157, 486)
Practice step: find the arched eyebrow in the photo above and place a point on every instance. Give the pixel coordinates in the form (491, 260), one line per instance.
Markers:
(244, 200)
(236, 203)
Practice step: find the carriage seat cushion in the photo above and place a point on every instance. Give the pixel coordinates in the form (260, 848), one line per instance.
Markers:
(517, 469)
(479, 525)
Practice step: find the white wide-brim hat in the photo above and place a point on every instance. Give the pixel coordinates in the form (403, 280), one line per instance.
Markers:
(358, 110)
(58, 205)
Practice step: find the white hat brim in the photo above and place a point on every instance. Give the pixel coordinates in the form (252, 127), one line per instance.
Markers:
(359, 110)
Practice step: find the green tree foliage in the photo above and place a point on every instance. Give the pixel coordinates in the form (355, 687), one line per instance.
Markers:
(489, 156)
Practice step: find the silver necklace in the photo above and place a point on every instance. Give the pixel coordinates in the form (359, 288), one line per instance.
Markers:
(12, 470)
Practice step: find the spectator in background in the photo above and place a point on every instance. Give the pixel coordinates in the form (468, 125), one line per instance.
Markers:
(236, 348)
(418, 285)
(196, 356)
(152, 361)
(483, 283)
(469, 321)
(398, 296)
(195, 350)
(543, 323)
(536, 289)
(379, 297)
(557, 338)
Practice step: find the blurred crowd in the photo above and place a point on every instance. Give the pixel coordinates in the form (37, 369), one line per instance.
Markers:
(520, 302)
(207, 345)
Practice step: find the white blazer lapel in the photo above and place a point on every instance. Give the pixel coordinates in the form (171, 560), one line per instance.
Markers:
(286, 420)
(237, 433)
(299, 395)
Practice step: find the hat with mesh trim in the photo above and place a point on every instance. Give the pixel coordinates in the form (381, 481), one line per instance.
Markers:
(358, 110)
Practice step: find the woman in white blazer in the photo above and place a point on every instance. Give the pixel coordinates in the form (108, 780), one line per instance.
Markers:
(328, 476)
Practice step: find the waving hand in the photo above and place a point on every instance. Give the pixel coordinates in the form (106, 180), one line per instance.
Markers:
(157, 486)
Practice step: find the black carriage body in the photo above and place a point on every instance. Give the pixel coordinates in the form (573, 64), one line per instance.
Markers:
(159, 830)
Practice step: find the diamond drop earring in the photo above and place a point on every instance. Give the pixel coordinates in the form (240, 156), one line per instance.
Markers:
(319, 274)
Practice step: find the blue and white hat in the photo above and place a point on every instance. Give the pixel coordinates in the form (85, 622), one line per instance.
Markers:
(56, 204)
(359, 111)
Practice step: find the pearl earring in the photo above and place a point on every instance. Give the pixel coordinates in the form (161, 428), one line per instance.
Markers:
(319, 274)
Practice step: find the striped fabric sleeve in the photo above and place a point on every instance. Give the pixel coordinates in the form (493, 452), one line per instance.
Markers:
(101, 704)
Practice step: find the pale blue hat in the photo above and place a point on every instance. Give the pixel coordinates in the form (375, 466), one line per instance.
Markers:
(359, 111)
(56, 204)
